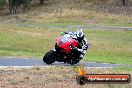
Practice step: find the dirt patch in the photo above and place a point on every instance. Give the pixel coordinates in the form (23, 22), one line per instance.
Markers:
(38, 78)
(50, 77)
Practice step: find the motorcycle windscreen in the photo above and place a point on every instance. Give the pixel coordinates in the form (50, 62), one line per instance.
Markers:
(65, 42)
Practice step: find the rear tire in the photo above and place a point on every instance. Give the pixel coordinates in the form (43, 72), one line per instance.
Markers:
(50, 57)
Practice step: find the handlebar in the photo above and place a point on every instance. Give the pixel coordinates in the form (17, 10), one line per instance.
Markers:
(73, 47)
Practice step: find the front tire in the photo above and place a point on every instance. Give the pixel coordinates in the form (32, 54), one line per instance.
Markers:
(74, 58)
(74, 61)
(50, 57)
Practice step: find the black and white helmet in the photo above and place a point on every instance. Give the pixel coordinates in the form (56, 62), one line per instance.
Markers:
(80, 35)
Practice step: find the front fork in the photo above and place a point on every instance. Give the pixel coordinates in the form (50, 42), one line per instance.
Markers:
(54, 49)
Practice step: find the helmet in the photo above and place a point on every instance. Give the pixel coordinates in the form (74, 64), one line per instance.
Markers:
(80, 35)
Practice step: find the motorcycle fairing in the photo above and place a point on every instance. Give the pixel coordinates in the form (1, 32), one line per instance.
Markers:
(65, 42)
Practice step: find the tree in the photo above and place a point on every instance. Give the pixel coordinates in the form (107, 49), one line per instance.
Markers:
(123, 2)
(41, 2)
(19, 5)
(2, 2)
(9, 1)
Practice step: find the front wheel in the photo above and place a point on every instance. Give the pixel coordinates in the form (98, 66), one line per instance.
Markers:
(74, 58)
(74, 61)
(50, 57)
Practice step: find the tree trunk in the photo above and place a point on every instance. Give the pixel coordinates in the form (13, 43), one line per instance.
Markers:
(9, 1)
(41, 2)
(123, 2)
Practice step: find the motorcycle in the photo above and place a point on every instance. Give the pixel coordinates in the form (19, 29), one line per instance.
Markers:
(65, 51)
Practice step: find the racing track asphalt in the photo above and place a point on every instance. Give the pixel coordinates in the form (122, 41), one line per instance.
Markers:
(12, 61)
(78, 26)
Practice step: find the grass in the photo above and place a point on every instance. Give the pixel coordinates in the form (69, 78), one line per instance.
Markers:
(123, 69)
(81, 16)
(112, 46)
(32, 34)
(25, 40)
(76, 12)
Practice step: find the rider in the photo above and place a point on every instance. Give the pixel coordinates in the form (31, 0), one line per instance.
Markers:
(79, 36)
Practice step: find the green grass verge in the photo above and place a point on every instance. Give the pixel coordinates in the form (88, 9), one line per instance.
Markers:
(112, 46)
(129, 70)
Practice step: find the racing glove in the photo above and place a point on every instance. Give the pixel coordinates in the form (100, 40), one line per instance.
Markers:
(81, 50)
(81, 56)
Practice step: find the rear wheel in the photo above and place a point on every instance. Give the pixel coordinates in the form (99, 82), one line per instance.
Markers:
(50, 57)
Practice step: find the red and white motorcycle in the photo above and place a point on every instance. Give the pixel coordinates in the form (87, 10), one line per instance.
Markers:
(65, 51)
